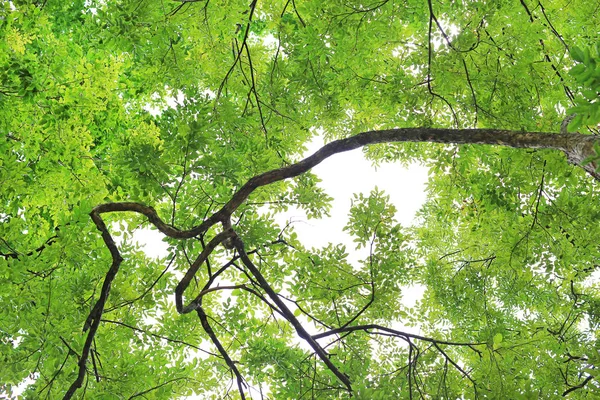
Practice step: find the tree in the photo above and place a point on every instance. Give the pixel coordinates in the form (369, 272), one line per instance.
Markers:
(477, 91)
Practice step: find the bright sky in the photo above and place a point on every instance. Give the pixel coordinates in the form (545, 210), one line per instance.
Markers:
(347, 173)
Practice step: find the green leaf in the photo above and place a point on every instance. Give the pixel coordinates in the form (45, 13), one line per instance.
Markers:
(497, 339)
(577, 54)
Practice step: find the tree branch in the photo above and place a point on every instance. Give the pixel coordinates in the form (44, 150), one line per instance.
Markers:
(185, 281)
(93, 320)
(393, 332)
(577, 387)
(230, 363)
(566, 143)
(321, 353)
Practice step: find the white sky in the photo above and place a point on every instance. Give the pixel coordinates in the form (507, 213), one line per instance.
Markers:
(347, 173)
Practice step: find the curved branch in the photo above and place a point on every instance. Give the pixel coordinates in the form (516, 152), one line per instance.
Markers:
(517, 139)
(93, 320)
(185, 281)
(567, 143)
(154, 219)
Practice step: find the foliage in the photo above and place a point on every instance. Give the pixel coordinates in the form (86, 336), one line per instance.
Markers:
(587, 110)
(173, 106)
(586, 74)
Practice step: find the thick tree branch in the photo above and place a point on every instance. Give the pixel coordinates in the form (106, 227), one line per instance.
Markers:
(575, 145)
(567, 143)
(93, 320)
(185, 281)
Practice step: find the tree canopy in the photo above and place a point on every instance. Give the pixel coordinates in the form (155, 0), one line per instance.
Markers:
(192, 117)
